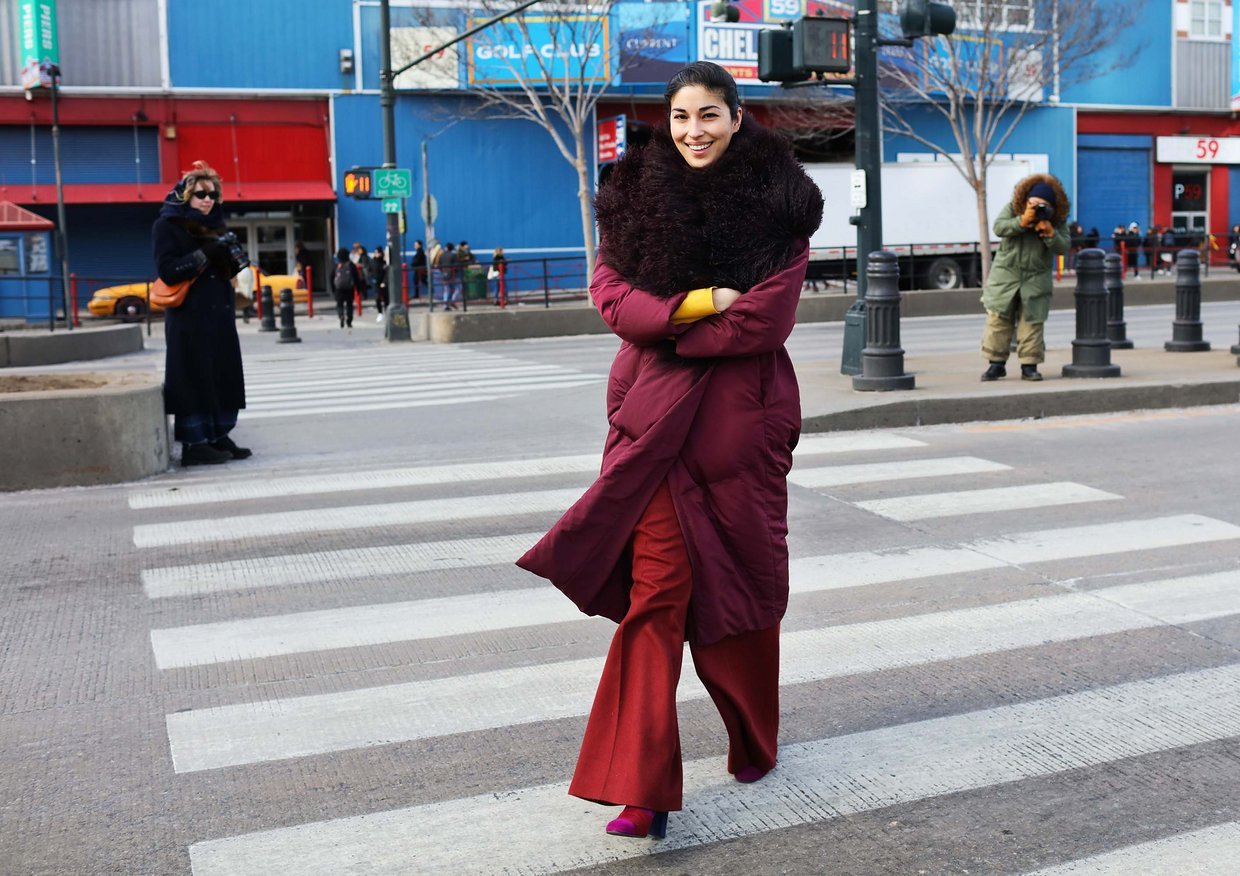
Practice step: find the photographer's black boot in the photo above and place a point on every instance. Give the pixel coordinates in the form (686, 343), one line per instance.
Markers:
(1029, 372)
(995, 371)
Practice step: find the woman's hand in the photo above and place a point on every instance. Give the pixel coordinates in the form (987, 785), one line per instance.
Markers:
(1045, 228)
(1030, 216)
(723, 297)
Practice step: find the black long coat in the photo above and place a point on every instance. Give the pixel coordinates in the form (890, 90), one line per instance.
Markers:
(202, 373)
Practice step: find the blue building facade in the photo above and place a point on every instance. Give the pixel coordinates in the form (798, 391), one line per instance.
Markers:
(286, 100)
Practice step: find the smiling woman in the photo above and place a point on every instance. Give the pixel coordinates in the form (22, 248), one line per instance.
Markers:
(704, 241)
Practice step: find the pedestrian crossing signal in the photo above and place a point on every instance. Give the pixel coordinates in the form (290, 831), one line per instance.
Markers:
(357, 183)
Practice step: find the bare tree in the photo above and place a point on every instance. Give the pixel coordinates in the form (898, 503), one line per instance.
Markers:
(1006, 57)
(550, 66)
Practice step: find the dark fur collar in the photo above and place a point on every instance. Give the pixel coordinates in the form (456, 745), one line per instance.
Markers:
(667, 227)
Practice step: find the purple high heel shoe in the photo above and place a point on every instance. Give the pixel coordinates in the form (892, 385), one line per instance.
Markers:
(749, 774)
(637, 822)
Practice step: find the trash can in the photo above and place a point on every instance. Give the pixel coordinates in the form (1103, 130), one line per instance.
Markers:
(475, 282)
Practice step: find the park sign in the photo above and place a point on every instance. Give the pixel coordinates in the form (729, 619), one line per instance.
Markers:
(38, 48)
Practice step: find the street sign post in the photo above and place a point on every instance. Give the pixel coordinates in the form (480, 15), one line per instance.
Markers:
(391, 182)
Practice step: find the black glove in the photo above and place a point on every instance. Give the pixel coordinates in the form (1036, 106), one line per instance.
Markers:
(213, 249)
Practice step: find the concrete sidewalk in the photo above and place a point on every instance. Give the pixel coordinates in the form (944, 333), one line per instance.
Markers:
(949, 389)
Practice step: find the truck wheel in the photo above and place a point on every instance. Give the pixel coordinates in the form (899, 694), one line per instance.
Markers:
(944, 273)
(130, 309)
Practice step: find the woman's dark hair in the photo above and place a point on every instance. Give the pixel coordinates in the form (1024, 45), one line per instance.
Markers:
(710, 76)
(342, 255)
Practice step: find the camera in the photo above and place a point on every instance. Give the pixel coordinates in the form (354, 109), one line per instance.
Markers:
(236, 253)
(1043, 211)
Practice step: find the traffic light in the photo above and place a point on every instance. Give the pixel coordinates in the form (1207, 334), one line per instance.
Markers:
(775, 57)
(821, 45)
(357, 183)
(920, 18)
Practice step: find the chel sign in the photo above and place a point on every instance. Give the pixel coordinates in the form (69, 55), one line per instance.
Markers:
(40, 49)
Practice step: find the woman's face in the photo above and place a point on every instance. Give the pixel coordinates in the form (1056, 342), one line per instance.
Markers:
(702, 126)
(204, 196)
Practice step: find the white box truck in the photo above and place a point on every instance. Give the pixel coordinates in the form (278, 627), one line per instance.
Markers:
(929, 219)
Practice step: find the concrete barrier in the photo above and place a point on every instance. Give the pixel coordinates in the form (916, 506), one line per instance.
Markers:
(30, 348)
(93, 429)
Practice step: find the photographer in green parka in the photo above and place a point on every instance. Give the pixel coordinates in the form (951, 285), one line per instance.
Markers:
(1032, 230)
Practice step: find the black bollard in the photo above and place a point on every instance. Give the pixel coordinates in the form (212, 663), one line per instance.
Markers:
(268, 323)
(882, 360)
(1235, 351)
(1117, 329)
(1186, 329)
(288, 331)
(1091, 350)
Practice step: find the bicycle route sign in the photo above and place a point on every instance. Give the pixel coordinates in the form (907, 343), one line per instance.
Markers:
(391, 182)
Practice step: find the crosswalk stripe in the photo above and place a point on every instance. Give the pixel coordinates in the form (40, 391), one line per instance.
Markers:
(835, 571)
(1211, 851)
(229, 490)
(358, 626)
(374, 479)
(442, 389)
(852, 442)
(411, 384)
(872, 472)
(317, 724)
(926, 506)
(344, 565)
(350, 517)
(815, 781)
(403, 403)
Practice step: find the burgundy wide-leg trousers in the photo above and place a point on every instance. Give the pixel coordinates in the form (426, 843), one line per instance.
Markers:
(631, 752)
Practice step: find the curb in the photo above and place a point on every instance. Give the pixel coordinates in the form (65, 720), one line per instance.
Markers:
(30, 348)
(1034, 404)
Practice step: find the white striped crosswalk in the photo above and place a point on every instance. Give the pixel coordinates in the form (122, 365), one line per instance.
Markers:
(370, 380)
(817, 781)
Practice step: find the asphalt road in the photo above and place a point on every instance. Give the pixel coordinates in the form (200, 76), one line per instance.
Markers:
(1011, 647)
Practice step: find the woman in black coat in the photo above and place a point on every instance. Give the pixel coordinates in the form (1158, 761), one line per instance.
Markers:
(204, 387)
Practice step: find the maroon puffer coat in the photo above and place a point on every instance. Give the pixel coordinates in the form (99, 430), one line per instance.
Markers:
(713, 408)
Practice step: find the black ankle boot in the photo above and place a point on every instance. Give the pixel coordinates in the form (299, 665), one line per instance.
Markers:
(995, 371)
(203, 454)
(1029, 372)
(227, 445)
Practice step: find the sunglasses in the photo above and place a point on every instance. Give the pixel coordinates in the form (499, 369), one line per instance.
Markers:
(213, 194)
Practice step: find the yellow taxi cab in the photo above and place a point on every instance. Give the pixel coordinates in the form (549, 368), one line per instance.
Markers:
(128, 302)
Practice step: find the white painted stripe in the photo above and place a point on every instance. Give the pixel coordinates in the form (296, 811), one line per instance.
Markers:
(930, 505)
(397, 405)
(335, 566)
(854, 442)
(836, 571)
(360, 626)
(375, 479)
(290, 523)
(1211, 851)
(871, 472)
(299, 726)
(815, 781)
(443, 389)
(391, 383)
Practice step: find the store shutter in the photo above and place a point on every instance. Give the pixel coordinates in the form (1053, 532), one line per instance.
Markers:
(1113, 187)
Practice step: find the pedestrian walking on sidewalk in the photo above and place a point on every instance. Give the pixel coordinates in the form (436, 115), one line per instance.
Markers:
(1032, 230)
(377, 266)
(204, 384)
(344, 286)
(682, 537)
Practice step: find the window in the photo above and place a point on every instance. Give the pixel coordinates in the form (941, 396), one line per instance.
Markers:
(1205, 18)
(995, 15)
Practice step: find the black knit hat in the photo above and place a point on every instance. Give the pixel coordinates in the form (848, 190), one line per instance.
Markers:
(1044, 191)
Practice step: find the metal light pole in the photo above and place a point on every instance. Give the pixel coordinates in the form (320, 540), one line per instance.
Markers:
(387, 102)
(62, 231)
(397, 323)
(869, 161)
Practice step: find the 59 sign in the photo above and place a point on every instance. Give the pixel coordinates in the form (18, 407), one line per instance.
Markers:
(1198, 150)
